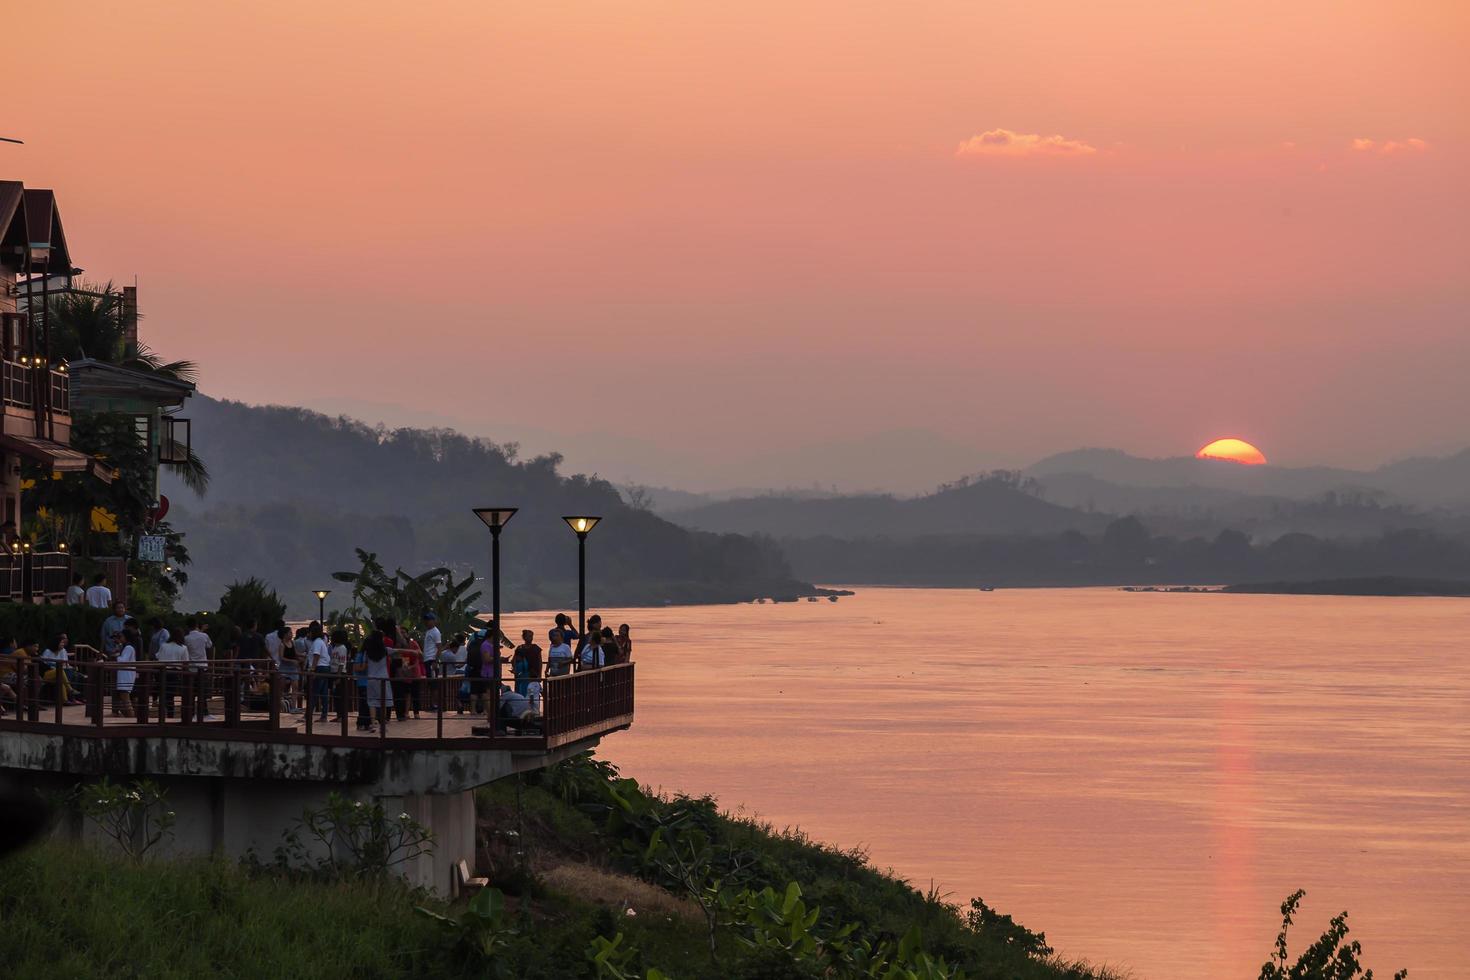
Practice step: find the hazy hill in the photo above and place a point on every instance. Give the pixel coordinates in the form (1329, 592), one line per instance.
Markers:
(294, 491)
(986, 506)
(1428, 481)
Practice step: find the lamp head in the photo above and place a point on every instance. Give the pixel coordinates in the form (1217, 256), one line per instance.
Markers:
(495, 518)
(322, 594)
(581, 525)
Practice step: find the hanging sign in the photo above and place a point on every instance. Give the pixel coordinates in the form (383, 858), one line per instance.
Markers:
(151, 547)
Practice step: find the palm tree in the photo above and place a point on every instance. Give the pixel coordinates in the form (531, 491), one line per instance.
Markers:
(88, 321)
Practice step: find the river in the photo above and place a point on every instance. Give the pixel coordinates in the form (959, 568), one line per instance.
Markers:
(1142, 776)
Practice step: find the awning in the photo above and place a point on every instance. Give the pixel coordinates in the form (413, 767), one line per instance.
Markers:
(61, 459)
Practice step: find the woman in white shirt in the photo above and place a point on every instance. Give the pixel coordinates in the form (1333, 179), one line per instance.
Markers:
(55, 670)
(122, 699)
(175, 657)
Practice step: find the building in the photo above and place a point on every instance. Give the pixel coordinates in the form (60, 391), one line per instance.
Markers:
(36, 386)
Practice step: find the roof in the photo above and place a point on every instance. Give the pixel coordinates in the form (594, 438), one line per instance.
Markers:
(30, 217)
(91, 378)
(61, 459)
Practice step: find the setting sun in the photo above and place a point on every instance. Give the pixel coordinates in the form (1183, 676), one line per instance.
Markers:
(1233, 450)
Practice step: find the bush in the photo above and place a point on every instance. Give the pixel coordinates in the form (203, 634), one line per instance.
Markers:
(37, 623)
(252, 601)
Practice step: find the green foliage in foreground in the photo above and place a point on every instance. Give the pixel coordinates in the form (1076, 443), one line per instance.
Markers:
(72, 912)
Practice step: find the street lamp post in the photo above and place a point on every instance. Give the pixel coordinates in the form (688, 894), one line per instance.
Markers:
(321, 605)
(582, 525)
(495, 518)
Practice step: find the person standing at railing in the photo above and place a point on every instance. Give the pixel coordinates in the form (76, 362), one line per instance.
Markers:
(75, 593)
(319, 662)
(625, 644)
(408, 681)
(175, 659)
(592, 636)
(433, 644)
(252, 645)
(559, 657)
(200, 646)
(525, 666)
(273, 642)
(158, 636)
(127, 653)
(358, 666)
(592, 656)
(379, 656)
(112, 628)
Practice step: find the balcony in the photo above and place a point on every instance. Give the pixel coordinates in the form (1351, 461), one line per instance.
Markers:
(34, 576)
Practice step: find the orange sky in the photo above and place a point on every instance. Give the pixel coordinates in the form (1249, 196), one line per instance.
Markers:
(1017, 226)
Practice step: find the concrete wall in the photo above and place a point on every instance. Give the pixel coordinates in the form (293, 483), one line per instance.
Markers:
(233, 797)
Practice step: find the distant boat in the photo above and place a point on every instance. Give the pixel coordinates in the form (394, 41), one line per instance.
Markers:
(987, 588)
(831, 598)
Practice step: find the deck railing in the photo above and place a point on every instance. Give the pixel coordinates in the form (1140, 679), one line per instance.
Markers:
(254, 701)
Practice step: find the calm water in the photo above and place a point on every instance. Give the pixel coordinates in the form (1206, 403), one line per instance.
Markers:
(1144, 777)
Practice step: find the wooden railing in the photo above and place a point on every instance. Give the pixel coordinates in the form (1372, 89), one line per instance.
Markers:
(33, 575)
(254, 701)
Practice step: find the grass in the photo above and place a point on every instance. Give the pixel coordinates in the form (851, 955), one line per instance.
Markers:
(73, 912)
(70, 911)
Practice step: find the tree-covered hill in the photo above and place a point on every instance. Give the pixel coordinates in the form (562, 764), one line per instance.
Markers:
(295, 491)
(999, 503)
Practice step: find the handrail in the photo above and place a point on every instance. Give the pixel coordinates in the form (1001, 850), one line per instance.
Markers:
(255, 701)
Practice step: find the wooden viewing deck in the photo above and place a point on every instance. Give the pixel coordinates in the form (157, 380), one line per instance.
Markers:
(245, 701)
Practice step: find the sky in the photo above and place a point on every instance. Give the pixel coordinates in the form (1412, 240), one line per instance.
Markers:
(781, 243)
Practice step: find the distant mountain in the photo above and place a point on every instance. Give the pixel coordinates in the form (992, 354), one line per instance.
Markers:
(1441, 480)
(1431, 482)
(985, 506)
(294, 492)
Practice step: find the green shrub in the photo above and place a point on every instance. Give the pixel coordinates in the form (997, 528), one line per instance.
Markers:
(252, 601)
(38, 623)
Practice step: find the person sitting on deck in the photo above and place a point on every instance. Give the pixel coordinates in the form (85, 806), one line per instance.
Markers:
(56, 672)
(517, 708)
(11, 662)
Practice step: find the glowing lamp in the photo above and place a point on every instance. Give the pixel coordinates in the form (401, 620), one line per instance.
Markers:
(495, 518)
(581, 524)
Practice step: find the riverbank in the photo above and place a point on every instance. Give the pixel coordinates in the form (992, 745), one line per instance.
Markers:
(582, 858)
(1385, 585)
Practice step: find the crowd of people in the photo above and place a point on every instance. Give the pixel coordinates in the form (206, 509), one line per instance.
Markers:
(395, 673)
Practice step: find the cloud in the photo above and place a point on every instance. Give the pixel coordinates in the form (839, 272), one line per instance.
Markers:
(1005, 143)
(1390, 147)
